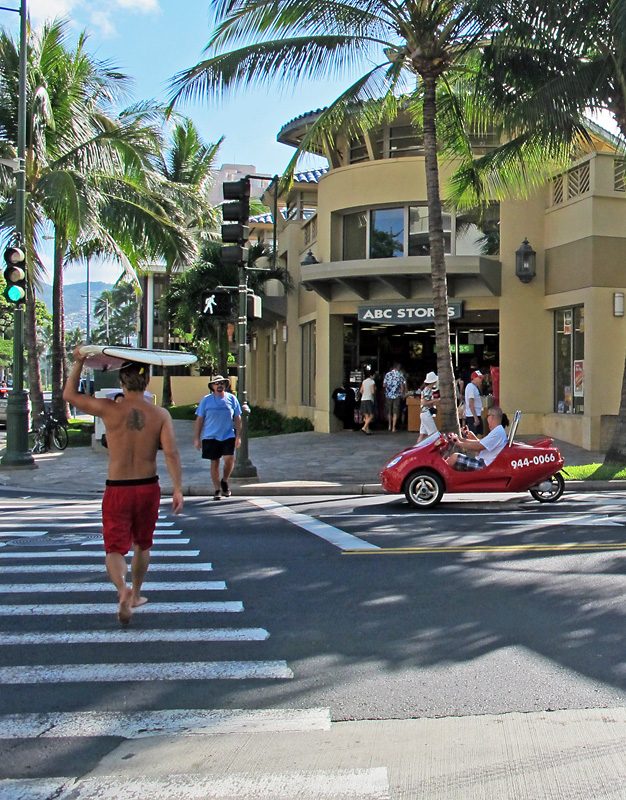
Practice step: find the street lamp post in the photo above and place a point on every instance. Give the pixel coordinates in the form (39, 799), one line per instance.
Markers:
(17, 454)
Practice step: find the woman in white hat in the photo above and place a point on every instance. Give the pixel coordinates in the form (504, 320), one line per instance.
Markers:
(430, 397)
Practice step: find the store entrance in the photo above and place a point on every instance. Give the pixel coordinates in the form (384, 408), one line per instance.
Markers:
(475, 339)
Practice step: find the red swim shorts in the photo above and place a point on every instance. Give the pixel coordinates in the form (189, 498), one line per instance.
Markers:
(129, 514)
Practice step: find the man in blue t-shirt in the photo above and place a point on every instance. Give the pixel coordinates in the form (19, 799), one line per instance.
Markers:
(217, 432)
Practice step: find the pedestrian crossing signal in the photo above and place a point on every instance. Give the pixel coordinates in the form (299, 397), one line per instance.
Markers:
(217, 304)
(15, 275)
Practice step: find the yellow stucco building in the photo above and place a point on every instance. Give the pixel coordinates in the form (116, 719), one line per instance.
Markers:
(355, 240)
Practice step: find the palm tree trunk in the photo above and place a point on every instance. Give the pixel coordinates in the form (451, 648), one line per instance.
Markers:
(30, 340)
(448, 418)
(59, 407)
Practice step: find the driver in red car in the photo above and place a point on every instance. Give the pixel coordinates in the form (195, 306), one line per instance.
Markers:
(480, 452)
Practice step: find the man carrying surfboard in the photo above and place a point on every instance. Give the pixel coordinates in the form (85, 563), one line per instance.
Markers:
(130, 506)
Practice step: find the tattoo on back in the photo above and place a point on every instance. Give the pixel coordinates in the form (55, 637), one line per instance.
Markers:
(135, 421)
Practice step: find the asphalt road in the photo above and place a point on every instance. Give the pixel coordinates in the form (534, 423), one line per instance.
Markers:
(358, 605)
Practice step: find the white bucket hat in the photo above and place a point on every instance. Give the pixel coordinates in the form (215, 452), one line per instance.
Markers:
(431, 378)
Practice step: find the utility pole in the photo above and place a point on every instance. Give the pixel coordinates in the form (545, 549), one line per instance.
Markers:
(235, 230)
(17, 454)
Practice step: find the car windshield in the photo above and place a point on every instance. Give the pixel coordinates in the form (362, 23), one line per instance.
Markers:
(428, 440)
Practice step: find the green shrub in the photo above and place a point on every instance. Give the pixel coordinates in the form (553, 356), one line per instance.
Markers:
(265, 420)
(297, 425)
(184, 412)
(79, 433)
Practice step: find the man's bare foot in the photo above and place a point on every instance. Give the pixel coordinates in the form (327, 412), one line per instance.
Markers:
(124, 612)
(138, 601)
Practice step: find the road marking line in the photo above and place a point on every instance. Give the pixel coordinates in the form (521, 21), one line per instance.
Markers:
(141, 672)
(330, 534)
(133, 636)
(174, 722)
(94, 554)
(69, 523)
(70, 609)
(163, 567)
(496, 548)
(36, 788)
(157, 540)
(337, 784)
(156, 586)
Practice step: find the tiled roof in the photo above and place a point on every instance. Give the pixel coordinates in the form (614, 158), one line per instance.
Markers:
(310, 176)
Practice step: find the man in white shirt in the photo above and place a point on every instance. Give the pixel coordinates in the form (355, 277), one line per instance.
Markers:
(480, 452)
(474, 403)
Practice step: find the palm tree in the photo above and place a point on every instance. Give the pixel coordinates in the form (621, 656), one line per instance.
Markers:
(422, 47)
(186, 165)
(183, 300)
(545, 76)
(88, 174)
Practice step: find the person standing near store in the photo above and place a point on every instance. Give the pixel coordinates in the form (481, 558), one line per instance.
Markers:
(367, 390)
(474, 404)
(429, 400)
(217, 432)
(395, 389)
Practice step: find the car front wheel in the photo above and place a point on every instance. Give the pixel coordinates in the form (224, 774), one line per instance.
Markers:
(423, 489)
(550, 490)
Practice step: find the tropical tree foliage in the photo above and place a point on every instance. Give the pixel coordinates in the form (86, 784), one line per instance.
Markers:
(116, 312)
(89, 173)
(186, 163)
(182, 303)
(414, 54)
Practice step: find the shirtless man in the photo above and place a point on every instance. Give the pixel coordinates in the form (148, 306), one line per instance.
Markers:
(130, 505)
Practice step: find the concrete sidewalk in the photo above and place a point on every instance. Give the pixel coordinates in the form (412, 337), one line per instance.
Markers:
(347, 462)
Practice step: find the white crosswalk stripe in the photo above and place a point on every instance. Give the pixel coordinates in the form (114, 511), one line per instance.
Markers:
(23, 555)
(188, 671)
(131, 636)
(180, 722)
(162, 567)
(69, 609)
(33, 550)
(353, 784)
(155, 586)
(340, 784)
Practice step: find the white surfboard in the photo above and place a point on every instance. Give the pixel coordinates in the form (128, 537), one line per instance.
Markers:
(107, 357)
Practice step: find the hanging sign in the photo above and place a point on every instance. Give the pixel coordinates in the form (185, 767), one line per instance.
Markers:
(407, 314)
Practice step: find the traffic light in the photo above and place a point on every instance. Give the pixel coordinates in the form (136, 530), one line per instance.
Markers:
(15, 275)
(235, 215)
(217, 304)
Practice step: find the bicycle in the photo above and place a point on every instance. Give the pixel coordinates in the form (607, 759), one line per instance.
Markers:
(49, 431)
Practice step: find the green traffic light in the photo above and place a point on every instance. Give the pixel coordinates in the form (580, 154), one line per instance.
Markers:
(15, 294)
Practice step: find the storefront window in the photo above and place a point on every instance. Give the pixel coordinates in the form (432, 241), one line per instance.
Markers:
(387, 233)
(354, 236)
(569, 361)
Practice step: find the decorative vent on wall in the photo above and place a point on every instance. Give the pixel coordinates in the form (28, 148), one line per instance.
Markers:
(619, 174)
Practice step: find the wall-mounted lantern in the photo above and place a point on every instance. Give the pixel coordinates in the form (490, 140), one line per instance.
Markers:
(309, 259)
(525, 262)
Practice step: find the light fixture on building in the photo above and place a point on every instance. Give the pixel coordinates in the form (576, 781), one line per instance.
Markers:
(309, 259)
(284, 333)
(618, 304)
(525, 262)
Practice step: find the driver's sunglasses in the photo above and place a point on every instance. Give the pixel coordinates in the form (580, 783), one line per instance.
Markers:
(222, 383)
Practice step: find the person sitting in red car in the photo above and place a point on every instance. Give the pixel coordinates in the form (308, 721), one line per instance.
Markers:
(480, 452)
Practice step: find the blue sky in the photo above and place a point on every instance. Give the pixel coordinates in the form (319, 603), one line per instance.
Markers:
(152, 40)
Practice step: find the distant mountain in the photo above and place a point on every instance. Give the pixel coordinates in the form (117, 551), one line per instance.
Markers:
(75, 301)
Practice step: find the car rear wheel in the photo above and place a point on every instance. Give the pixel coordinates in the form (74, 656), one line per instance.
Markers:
(423, 489)
(550, 490)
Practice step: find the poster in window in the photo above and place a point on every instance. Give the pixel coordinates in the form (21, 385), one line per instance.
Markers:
(579, 378)
(567, 322)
